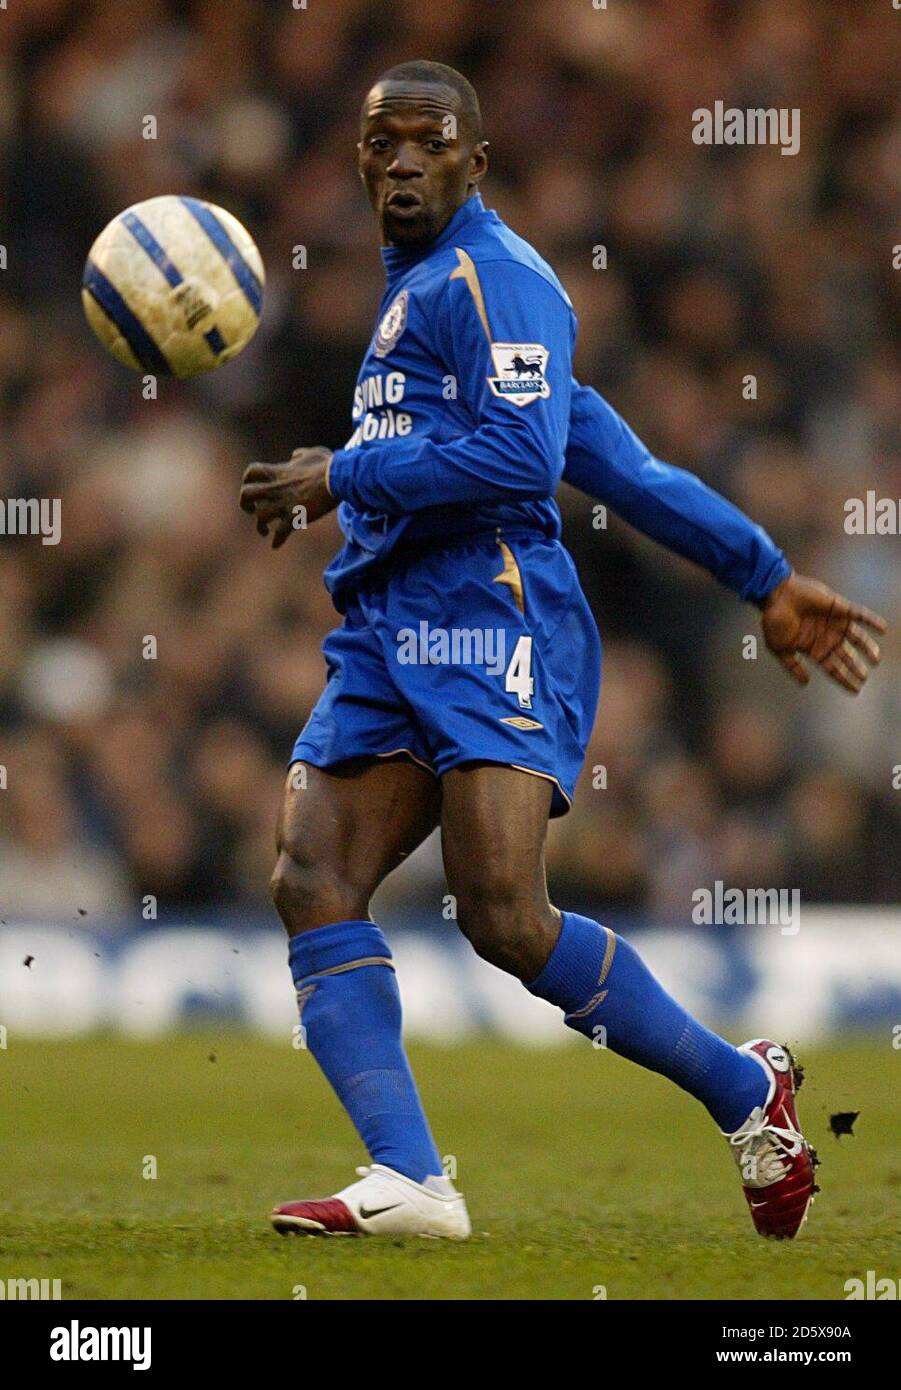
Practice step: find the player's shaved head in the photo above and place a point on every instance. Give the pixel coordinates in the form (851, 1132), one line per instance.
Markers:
(421, 154)
(420, 73)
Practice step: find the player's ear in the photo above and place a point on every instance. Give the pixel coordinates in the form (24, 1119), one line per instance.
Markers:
(478, 163)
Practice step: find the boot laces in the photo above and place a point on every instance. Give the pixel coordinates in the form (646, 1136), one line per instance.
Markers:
(771, 1145)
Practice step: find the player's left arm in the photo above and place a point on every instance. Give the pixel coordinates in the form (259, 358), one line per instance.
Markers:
(800, 617)
(606, 459)
(803, 618)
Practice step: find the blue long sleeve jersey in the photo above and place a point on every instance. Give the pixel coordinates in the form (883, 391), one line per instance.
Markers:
(466, 417)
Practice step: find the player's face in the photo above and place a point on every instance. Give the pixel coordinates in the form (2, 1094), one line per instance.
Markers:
(415, 160)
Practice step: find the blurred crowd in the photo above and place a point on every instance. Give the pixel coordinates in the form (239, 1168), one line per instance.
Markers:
(136, 766)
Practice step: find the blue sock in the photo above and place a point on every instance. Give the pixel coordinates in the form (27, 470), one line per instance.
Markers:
(598, 979)
(350, 1009)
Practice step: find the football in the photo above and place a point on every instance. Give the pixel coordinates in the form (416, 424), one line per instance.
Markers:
(174, 286)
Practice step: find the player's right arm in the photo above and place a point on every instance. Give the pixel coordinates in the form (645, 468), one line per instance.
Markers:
(512, 451)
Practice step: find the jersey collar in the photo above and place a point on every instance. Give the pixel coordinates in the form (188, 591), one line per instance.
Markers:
(399, 259)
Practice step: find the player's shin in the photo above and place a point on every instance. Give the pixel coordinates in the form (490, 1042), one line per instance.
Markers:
(606, 991)
(351, 1016)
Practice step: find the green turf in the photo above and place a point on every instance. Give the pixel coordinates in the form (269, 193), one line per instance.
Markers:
(579, 1170)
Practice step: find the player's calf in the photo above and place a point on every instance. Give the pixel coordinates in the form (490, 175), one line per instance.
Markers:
(493, 827)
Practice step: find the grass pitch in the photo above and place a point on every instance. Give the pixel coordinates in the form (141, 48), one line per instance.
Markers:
(580, 1171)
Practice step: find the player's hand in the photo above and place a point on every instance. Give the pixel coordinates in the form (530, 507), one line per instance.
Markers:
(289, 495)
(803, 617)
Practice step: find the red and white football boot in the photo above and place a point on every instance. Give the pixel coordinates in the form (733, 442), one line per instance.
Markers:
(382, 1203)
(776, 1162)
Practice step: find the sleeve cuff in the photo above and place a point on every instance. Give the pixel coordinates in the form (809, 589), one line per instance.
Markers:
(761, 591)
(337, 475)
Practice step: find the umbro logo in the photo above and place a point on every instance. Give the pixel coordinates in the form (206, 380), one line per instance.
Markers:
(519, 721)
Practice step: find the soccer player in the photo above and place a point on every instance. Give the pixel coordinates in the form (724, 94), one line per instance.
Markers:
(465, 418)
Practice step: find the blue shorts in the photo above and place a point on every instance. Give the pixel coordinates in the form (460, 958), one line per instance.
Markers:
(485, 651)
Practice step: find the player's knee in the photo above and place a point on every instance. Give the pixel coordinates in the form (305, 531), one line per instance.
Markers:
(507, 927)
(308, 894)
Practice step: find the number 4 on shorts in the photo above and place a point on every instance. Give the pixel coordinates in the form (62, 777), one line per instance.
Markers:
(519, 673)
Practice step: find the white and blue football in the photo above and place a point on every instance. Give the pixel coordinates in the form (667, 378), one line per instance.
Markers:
(174, 286)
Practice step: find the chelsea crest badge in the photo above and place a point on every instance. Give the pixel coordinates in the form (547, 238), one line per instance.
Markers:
(392, 325)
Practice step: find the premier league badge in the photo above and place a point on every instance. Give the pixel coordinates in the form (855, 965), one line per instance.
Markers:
(392, 325)
(520, 371)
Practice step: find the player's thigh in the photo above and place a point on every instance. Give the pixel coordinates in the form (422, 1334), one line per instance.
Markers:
(342, 830)
(493, 831)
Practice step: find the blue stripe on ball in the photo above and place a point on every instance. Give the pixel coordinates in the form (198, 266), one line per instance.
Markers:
(148, 242)
(243, 273)
(104, 292)
(215, 341)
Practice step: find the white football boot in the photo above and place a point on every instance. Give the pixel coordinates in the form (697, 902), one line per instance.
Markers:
(382, 1203)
